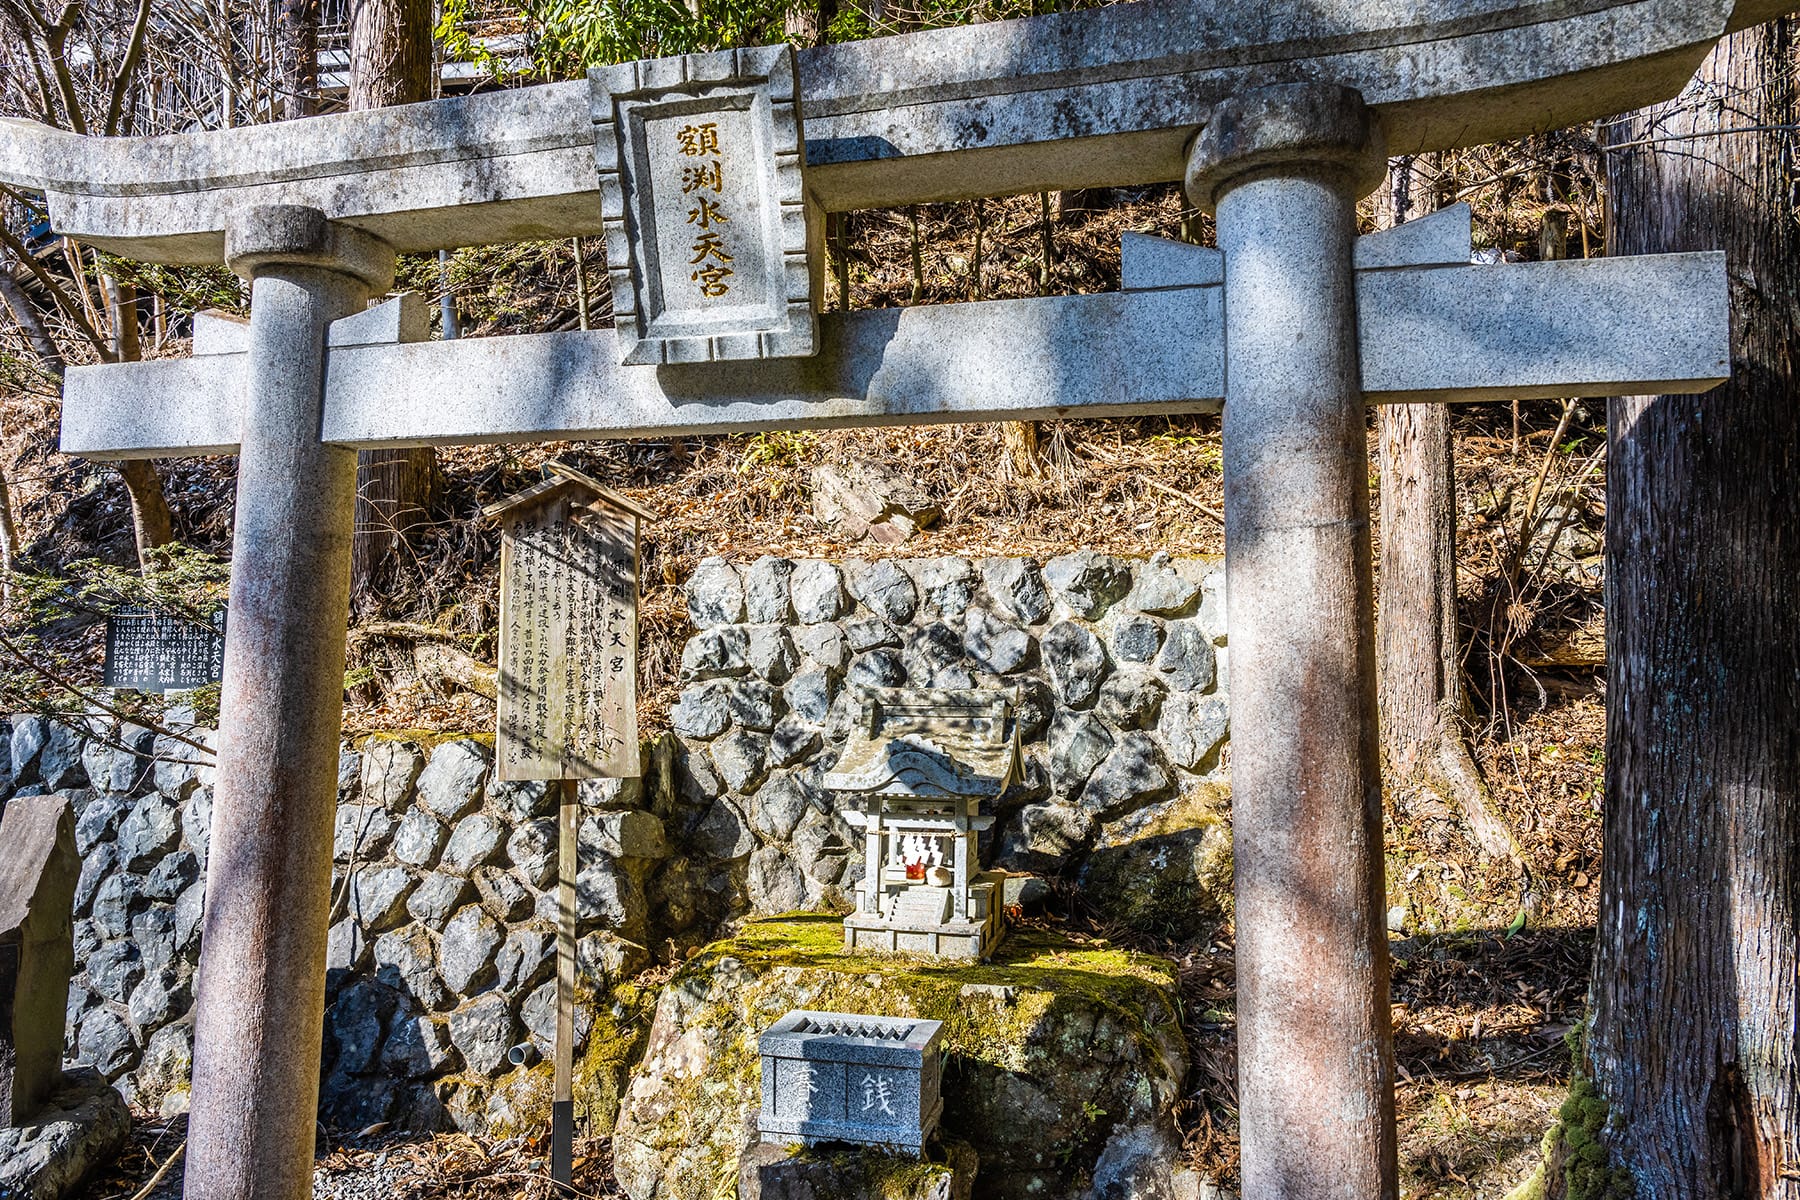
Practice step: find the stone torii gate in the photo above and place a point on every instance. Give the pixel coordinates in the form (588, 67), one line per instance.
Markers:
(1277, 118)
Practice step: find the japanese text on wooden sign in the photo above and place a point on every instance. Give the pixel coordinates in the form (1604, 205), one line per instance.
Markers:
(151, 651)
(568, 641)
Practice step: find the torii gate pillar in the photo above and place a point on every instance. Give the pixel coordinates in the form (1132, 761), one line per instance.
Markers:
(261, 996)
(1282, 168)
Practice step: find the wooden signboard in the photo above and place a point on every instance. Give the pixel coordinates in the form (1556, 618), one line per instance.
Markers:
(568, 690)
(568, 631)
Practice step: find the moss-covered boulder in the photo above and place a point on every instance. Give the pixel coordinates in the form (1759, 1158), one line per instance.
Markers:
(1165, 870)
(775, 1172)
(1063, 1061)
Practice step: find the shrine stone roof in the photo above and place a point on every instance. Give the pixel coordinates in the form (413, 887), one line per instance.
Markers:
(930, 742)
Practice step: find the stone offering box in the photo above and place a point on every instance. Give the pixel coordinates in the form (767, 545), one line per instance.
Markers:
(842, 1077)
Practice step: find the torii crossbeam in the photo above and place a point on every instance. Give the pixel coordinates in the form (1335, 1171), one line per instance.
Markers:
(1432, 327)
(1276, 117)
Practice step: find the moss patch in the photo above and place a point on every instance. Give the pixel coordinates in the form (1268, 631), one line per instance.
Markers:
(1587, 1172)
(615, 1043)
(1576, 1164)
(1059, 1044)
(424, 739)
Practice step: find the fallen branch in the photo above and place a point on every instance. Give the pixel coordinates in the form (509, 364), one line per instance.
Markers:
(1214, 513)
(144, 1192)
(436, 654)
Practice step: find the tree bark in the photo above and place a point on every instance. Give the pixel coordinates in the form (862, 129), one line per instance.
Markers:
(296, 58)
(1420, 676)
(390, 52)
(1021, 441)
(808, 23)
(390, 63)
(1430, 772)
(30, 323)
(1696, 1004)
(152, 524)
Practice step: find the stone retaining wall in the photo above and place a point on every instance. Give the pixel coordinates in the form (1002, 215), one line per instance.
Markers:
(1121, 670)
(442, 942)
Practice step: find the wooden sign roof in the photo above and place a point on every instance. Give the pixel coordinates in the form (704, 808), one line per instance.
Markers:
(562, 479)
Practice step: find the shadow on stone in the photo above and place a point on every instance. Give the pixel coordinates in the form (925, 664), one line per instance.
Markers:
(1165, 871)
(83, 1126)
(774, 1172)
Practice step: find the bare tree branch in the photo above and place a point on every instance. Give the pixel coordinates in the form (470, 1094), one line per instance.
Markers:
(134, 52)
(57, 293)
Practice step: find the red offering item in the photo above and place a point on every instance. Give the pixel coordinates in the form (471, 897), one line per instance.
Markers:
(915, 870)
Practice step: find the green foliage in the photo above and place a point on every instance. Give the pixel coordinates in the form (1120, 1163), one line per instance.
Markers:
(42, 667)
(189, 288)
(575, 34)
(1205, 445)
(25, 375)
(776, 448)
(503, 286)
(178, 579)
(569, 36)
(459, 43)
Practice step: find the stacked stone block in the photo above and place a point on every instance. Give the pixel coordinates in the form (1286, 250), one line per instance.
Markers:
(1119, 664)
(442, 942)
(442, 950)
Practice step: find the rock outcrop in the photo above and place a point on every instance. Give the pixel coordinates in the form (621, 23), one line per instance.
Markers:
(1064, 1061)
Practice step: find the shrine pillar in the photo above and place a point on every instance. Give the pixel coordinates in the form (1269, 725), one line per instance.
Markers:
(1282, 169)
(261, 988)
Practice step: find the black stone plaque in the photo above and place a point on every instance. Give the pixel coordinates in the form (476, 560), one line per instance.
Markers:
(150, 651)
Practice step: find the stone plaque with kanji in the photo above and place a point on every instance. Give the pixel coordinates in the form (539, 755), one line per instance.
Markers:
(568, 631)
(151, 651)
(710, 234)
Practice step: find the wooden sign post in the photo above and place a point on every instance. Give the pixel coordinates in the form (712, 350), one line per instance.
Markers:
(568, 689)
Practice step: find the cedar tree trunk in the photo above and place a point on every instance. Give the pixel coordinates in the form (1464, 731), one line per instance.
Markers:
(1419, 677)
(152, 524)
(1696, 1006)
(296, 58)
(390, 63)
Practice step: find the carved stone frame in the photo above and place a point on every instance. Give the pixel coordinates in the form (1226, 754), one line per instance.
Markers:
(761, 80)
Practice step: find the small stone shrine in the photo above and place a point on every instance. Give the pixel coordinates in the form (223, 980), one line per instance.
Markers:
(843, 1077)
(913, 774)
(37, 948)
